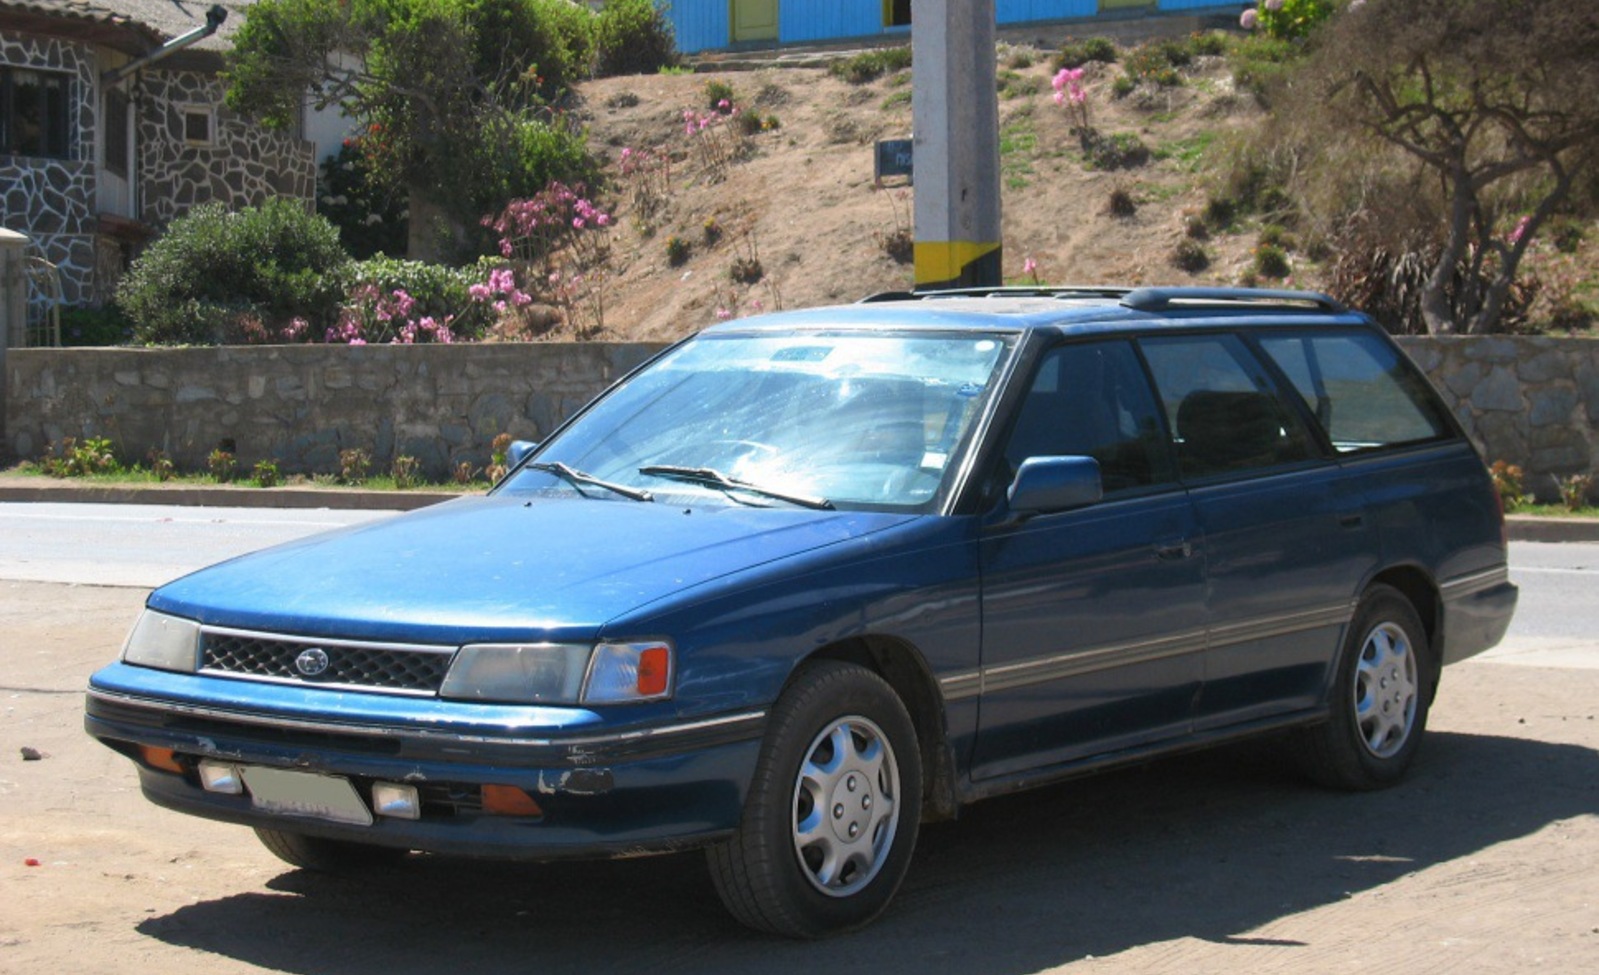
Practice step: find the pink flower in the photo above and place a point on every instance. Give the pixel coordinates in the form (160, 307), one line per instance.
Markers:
(1248, 18)
(724, 104)
(1030, 267)
(1518, 231)
(722, 314)
(1060, 98)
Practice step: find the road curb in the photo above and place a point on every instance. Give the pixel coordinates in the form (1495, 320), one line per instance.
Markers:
(222, 496)
(1530, 528)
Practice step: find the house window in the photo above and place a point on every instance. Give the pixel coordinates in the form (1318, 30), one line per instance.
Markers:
(116, 132)
(33, 112)
(198, 124)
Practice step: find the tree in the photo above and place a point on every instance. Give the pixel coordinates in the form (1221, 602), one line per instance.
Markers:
(1496, 100)
(449, 92)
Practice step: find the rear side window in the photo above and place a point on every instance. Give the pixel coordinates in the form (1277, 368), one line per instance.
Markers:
(1361, 390)
(1224, 413)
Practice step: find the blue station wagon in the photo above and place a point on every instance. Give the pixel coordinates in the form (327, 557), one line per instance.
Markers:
(807, 580)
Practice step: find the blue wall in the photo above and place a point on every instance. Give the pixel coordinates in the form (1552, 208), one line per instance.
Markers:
(822, 20)
(704, 25)
(700, 25)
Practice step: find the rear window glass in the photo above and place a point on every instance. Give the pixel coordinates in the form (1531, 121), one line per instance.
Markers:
(1361, 390)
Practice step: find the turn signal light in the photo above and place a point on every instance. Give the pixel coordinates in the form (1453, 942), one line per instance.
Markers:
(654, 671)
(164, 759)
(508, 800)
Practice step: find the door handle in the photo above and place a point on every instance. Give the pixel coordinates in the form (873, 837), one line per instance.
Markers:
(1172, 551)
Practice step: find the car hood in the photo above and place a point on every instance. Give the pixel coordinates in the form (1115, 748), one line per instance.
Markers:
(499, 568)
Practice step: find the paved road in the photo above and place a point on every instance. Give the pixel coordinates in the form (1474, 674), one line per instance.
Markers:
(144, 545)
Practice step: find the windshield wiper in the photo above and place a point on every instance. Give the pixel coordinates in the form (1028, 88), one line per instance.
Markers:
(583, 477)
(715, 478)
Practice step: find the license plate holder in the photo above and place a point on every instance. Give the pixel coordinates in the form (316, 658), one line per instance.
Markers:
(306, 794)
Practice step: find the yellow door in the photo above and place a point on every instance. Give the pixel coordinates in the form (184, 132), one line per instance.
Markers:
(754, 20)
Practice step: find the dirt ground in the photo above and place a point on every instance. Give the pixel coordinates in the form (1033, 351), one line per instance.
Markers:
(1485, 860)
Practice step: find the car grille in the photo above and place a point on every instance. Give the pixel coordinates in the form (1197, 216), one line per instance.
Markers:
(364, 666)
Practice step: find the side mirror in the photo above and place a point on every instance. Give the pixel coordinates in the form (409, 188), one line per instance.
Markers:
(518, 452)
(1045, 484)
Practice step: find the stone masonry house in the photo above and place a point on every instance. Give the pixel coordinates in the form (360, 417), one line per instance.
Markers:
(109, 130)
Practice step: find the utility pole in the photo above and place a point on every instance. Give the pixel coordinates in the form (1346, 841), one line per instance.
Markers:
(955, 116)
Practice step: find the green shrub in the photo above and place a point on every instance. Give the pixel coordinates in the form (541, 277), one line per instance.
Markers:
(371, 217)
(1124, 150)
(1190, 255)
(554, 38)
(718, 91)
(871, 65)
(1122, 86)
(266, 474)
(677, 250)
(222, 465)
(1294, 19)
(1157, 62)
(525, 158)
(80, 458)
(406, 471)
(1075, 53)
(1259, 62)
(1271, 261)
(94, 326)
(440, 291)
(213, 272)
(633, 37)
(1566, 233)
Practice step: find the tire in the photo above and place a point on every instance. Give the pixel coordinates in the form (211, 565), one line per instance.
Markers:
(1384, 684)
(326, 856)
(833, 810)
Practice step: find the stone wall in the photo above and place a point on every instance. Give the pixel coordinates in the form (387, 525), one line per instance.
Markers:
(244, 164)
(1532, 401)
(301, 404)
(1529, 400)
(51, 200)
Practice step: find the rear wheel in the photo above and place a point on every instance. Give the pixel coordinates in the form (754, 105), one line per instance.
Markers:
(326, 856)
(833, 810)
(1380, 697)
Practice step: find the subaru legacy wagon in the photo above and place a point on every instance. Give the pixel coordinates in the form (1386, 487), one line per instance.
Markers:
(805, 581)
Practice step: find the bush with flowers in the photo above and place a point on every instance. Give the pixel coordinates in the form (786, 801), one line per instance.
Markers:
(1286, 19)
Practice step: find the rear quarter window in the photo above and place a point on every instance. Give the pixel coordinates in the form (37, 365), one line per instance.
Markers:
(1363, 392)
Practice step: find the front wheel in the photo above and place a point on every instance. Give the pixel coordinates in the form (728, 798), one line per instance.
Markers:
(833, 809)
(1380, 697)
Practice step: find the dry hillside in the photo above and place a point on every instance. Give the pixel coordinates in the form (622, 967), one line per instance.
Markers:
(800, 198)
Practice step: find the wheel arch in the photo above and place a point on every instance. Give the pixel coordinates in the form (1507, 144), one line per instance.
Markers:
(903, 667)
(1422, 592)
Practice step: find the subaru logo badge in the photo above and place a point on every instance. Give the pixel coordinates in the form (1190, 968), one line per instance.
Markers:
(312, 662)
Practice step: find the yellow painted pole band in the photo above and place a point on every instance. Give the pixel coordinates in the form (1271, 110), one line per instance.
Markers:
(956, 264)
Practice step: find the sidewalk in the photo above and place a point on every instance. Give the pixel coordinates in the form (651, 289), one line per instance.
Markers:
(20, 488)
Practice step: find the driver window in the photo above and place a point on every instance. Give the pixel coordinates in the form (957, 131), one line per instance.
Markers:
(1092, 400)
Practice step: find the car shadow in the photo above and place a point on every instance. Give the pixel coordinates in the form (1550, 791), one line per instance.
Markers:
(1208, 846)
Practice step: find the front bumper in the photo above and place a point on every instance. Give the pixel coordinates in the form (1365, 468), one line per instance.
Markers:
(602, 790)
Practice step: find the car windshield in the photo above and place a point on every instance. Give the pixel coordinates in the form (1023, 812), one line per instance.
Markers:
(814, 419)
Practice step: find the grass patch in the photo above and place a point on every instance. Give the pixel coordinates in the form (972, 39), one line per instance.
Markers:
(897, 99)
(1187, 155)
(1018, 140)
(871, 65)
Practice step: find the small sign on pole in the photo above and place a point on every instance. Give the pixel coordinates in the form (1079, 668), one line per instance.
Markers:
(893, 158)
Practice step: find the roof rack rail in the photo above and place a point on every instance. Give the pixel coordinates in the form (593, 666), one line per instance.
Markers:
(1004, 291)
(1158, 299)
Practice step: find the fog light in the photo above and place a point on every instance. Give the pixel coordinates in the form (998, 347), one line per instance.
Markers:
(396, 801)
(221, 777)
(508, 800)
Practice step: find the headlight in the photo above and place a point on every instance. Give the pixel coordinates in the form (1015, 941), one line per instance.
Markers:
(560, 673)
(164, 642)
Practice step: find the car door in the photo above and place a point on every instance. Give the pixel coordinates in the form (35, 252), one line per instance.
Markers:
(1286, 545)
(1093, 619)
